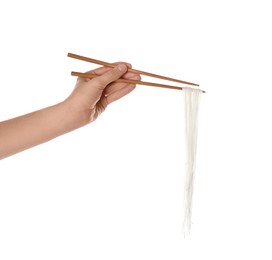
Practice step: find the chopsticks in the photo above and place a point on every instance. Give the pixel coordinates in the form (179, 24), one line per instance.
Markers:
(87, 75)
(103, 63)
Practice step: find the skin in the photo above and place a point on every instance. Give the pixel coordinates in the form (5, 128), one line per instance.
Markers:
(88, 100)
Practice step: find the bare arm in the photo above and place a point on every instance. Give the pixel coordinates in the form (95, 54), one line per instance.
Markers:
(88, 100)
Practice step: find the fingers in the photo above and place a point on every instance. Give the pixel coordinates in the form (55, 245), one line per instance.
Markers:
(104, 80)
(101, 70)
(105, 77)
(120, 93)
(116, 90)
(115, 86)
(127, 64)
(103, 89)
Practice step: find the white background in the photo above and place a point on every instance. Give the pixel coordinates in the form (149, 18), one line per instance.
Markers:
(114, 189)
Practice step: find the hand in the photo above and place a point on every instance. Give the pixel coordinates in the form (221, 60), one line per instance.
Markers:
(88, 100)
(91, 96)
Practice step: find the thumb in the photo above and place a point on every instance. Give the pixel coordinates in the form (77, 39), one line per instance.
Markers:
(101, 82)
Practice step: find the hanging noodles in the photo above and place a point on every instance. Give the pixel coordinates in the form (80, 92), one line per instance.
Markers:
(191, 100)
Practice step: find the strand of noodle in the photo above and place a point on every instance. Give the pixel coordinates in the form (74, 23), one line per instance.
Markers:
(191, 100)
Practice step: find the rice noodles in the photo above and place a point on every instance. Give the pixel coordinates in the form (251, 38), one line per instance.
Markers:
(191, 100)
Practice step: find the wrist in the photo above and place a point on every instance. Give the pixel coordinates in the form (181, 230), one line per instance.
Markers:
(78, 117)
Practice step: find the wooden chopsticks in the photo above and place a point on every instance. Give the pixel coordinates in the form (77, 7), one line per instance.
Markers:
(103, 63)
(86, 75)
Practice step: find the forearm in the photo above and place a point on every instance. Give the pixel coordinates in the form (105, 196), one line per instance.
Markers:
(32, 129)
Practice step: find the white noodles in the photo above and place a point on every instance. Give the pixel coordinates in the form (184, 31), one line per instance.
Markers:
(191, 100)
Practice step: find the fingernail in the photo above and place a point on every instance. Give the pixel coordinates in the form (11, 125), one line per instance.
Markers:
(136, 77)
(122, 67)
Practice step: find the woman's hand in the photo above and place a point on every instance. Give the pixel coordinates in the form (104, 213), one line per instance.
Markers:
(88, 100)
(91, 96)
